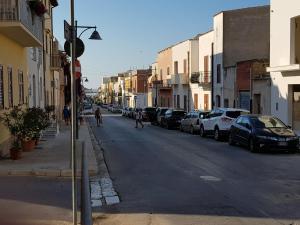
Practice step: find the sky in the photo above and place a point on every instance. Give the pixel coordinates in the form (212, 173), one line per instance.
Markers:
(133, 31)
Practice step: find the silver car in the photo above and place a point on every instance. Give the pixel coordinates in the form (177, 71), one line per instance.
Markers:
(191, 122)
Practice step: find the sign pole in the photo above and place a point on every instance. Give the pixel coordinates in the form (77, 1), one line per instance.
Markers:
(73, 115)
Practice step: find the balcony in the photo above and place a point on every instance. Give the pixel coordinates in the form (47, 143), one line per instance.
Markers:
(18, 23)
(181, 78)
(201, 78)
(166, 85)
(55, 62)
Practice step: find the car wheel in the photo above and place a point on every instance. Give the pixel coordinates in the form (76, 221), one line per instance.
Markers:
(192, 130)
(217, 134)
(252, 146)
(167, 126)
(202, 132)
(230, 140)
(180, 128)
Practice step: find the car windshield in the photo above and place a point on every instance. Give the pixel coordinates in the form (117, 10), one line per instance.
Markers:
(267, 122)
(150, 109)
(234, 114)
(178, 113)
(163, 111)
(87, 106)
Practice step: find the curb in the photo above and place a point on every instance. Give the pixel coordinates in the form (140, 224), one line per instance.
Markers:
(61, 173)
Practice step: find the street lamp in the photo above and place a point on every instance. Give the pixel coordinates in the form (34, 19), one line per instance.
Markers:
(74, 122)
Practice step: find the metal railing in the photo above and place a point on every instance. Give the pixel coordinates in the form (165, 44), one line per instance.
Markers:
(203, 77)
(179, 79)
(19, 11)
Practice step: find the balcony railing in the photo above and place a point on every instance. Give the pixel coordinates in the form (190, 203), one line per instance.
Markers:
(203, 77)
(20, 24)
(177, 79)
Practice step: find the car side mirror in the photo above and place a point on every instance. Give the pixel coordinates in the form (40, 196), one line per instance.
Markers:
(288, 126)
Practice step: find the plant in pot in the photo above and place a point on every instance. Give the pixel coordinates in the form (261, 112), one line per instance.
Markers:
(13, 120)
(38, 7)
(37, 121)
(15, 150)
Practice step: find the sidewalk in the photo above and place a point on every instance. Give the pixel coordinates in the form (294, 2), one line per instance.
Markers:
(51, 157)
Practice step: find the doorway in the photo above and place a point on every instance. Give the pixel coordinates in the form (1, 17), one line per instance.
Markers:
(296, 107)
(257, 104)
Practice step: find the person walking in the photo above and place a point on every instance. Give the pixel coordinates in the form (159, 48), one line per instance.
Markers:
(98, 116)
(66, 114)
(138, 118)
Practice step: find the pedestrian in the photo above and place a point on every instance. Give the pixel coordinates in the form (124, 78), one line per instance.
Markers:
(66, 114)
(138, 118)
(98, 116)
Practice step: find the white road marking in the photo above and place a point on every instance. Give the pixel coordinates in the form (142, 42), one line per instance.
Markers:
(210, 178)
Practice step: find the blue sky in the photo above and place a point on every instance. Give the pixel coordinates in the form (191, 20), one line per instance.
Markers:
(133, 31)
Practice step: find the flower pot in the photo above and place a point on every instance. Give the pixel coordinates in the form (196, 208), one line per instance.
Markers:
(28, 146)
(15, 154)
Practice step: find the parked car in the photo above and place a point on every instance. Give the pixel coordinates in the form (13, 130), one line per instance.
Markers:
(87, 109)
(131, 112)
(148, 114)
(263, 132)
(104, 105)
(109, 107)
(191, 122)
(172, 118)
(160, 112)
(116, 109)
(219, 121)
(124, 111)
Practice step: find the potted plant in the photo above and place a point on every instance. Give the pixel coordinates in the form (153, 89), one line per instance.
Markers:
(38, 7)
(13, 120)
(15, 150)
(35, 120)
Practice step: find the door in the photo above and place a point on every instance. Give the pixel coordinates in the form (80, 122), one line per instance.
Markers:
(296, 107)
(195, 101)
(256, 104)
(245, 131)
(206, 102)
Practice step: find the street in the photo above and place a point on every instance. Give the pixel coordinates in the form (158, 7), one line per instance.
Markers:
(168, 177)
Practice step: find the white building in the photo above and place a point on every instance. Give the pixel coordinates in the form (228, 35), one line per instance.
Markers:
(239, 35)
(182, 67)
(201, 75)
(285, 61)
(36, 81)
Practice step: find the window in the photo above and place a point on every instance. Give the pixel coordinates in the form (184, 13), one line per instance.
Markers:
(168, 71)
(184, 67)
(161, 74)
(185, 103)
(178, 101)
(10, 87)
(33, 54)
(218, 101)
(226, 103)
(21, 87)
(174, 104)
(175, 67)
(1, 89)
(219, 73)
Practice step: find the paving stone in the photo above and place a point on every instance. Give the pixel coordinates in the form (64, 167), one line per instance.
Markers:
(112, 200)
(96, 203)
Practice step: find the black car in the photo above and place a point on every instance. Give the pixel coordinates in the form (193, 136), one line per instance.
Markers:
(172, 118)
(263, 132)
(149, 114)
(160, 112)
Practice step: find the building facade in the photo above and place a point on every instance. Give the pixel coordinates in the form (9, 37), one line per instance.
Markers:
(285, 61)
(232, 44)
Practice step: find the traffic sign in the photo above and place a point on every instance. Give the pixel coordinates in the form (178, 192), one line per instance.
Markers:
(79, 48)
(67, 31)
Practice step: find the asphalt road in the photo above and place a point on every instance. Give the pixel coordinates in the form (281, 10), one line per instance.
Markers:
(168, 177)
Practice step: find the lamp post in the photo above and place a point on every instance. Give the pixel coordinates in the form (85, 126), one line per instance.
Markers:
(95, 35)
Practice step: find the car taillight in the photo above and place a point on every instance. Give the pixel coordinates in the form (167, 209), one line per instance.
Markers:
(226, 119)
(197, 123)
